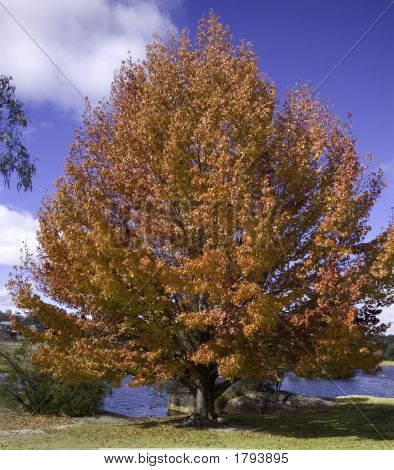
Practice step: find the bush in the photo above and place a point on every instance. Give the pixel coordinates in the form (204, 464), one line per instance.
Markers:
(42, 393)
(82, 398)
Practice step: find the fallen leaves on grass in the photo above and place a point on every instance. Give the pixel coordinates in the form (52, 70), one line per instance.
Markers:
(12, 419)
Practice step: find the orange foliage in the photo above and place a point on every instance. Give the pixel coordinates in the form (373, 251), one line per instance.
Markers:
(202, 223)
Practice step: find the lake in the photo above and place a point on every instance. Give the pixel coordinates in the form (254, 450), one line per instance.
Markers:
(145, 401)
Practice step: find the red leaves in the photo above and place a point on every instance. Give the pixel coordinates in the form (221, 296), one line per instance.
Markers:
(201, 222)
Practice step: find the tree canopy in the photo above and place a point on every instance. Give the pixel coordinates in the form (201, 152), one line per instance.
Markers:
(204, 229)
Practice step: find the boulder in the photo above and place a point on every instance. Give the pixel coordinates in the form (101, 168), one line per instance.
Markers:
(242, 405)
(252, 403)
(248, 398)
(265, 386)
(239, 388)
(268, 402)
(310, 403)
(181, 403)
(262, 398)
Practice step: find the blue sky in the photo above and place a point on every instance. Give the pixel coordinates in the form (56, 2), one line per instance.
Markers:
(297, 41)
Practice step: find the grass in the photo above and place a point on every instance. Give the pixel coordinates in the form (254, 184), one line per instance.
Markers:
(16, 420)
(369, 426)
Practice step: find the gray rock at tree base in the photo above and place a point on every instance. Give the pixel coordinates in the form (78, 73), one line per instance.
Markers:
(247, 398)
(242, 405)
(265, 386)
(181, 403)
(265, 402)
(302, 401)
(268, 402)
(240, 388)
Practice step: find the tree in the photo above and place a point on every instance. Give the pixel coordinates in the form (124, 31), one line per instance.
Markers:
(204, 231)
(14, 157)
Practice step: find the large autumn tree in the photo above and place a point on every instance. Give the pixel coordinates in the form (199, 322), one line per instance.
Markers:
(203, 229)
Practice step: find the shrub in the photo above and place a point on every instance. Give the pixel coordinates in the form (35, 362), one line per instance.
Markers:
(37, 392)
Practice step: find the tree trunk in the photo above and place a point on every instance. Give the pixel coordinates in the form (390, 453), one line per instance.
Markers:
(205, 390)
(205, 401)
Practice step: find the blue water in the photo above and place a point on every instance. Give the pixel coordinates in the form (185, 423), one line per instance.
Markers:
(145, 401)
(137, 402)
(380, 385)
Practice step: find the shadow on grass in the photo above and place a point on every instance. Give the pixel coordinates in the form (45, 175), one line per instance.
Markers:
(365, 420)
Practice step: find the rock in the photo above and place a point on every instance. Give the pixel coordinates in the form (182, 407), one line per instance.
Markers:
(266, 386)
(260, 396)
(239, 388)
(277, 406)
(181, 403)
(264, 402)
(243, 405)
(284, 396)
(267, 401)
(246, 398)
(302, 401)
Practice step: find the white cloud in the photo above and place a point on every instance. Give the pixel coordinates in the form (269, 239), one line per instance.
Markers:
(87, 40)
(5, 300)
(17, 228)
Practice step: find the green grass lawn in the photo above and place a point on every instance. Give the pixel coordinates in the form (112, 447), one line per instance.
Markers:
(368, 425)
